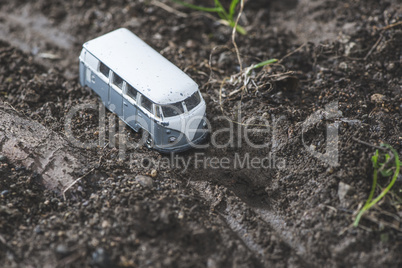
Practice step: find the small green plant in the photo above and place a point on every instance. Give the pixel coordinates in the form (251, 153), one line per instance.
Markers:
(390, 165)
(226, 15)
(260, 64)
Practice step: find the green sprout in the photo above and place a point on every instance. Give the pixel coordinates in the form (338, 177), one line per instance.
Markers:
(225, 15)
(259, 65)
(386, 170)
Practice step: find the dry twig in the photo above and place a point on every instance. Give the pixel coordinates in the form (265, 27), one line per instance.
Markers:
(234, 34)
(375, 45)
(169, 9)
(86, 174)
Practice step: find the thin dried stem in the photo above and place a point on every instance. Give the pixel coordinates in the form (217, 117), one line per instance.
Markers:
(234, 35)
(169, 9)
(86, 174)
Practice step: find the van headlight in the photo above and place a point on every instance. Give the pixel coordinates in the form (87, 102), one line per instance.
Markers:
(172, 139)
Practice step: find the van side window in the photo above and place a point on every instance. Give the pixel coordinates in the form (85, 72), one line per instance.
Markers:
(131, 92)
(92, 62)
(117, 81)
(146, 103)
(104, 69)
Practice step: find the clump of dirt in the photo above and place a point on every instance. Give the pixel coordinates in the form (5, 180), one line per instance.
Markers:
(339, 72)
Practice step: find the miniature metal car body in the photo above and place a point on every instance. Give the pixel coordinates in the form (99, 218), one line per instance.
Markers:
(145, 90)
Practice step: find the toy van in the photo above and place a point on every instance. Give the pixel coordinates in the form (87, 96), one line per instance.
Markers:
(145, 90)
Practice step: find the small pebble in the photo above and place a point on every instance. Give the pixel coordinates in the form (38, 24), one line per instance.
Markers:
(377, 98)
(191, 44)
(4, 192)
(145, 181)
(38, 230)
(343, 66)
(154, 173)
(378, 76)
(100, 258)
(390, 66)
(105, 224)
(2, 158)
(224, 60)
(62, 249)
(61, 233)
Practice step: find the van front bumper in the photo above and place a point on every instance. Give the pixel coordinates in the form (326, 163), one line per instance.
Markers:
(199, 138)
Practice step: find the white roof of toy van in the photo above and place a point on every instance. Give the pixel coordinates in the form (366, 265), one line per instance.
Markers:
(142, 67)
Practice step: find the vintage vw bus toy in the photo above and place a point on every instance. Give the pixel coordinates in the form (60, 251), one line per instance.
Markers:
(145, 90)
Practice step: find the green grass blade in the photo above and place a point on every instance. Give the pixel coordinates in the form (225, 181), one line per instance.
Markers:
(232, 8)
(222, 13)
(218, 4)
(394, 178)
(239, 29)
(223, 16)
(375, 177)
(200, 8)
(259, 65)
(369, 204)
(220, 10)
(263, 63)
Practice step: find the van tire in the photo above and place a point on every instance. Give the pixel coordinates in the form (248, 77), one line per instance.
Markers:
(149, 142)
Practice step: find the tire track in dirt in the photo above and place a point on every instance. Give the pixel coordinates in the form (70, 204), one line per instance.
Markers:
(262, 231)
(28, 142)
(278, 224)
(31, 32)
(35, 34)
(241, 199)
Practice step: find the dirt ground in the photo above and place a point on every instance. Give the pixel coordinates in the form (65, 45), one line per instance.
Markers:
(339, 71)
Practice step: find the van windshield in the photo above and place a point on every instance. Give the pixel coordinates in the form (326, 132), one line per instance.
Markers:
(172, 109)
(193, 101)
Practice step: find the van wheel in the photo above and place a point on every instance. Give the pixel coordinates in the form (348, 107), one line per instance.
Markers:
(149, 141)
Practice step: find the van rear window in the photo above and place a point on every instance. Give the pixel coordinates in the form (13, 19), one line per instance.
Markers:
(193, 101)
(104, 69)
(172, 109)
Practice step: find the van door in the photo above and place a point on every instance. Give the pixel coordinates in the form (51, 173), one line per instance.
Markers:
(130, 107)
(116, 95)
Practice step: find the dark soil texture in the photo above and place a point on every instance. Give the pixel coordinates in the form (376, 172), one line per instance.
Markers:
(333, 96)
